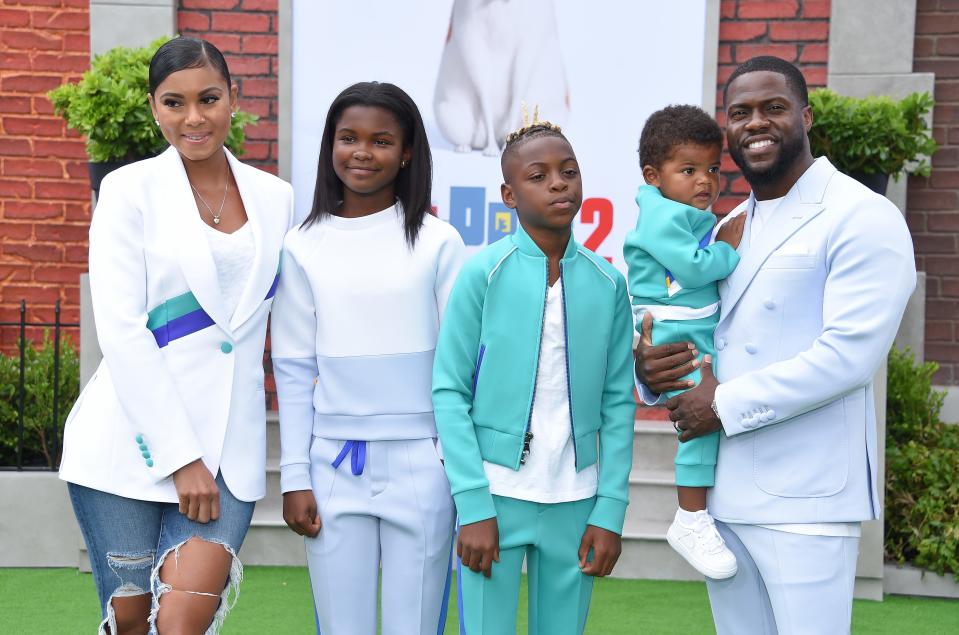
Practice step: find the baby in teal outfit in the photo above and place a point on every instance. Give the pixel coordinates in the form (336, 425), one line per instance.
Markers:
(674, 268)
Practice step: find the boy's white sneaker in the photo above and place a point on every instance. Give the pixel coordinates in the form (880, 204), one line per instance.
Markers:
(701, 545)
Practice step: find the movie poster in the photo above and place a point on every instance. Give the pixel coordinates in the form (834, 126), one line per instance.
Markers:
(598, 69)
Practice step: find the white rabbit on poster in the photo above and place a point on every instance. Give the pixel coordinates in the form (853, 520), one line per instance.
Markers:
(497, 54)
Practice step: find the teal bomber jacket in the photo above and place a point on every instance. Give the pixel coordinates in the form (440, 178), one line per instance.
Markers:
(484, 373)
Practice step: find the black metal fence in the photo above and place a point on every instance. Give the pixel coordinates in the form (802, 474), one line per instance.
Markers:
(51, 443)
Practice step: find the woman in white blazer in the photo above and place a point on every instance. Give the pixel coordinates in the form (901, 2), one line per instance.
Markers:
(165, 449)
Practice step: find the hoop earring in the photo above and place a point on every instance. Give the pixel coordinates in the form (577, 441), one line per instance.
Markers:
(402, 164)
(157, 122)
(233, 115)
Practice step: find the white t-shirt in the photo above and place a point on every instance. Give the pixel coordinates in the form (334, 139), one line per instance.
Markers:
(549, 473)
(233, 256)
(762, 214)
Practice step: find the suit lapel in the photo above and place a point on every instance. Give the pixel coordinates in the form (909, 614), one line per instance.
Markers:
(802, 203)
(262, 273)
(196, 261)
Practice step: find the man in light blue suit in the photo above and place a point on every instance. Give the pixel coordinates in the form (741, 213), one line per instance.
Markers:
(807, 317)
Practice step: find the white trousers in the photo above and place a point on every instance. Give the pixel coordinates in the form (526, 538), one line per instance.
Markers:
(397, 514)
(787, 583)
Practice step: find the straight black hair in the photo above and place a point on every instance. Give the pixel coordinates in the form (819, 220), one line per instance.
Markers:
(182, 53)
(413, 184)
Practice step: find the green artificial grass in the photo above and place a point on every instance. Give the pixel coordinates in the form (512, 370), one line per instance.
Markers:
(277, 600)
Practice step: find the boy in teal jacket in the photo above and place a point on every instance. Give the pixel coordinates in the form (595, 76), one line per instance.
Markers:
(533, 399)
(673, 275)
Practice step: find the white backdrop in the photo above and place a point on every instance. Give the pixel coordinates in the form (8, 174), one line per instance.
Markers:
(622, 60)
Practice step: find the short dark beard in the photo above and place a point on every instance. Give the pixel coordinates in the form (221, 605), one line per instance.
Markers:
(789, 151)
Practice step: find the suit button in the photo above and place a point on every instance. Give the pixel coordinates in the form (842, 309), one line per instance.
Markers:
(139, 438)
(771, 414)
(146, 454)
(751, 348)
(143, 447)
(226, 348)
(769, 304)
(149, 462)
(720, 344)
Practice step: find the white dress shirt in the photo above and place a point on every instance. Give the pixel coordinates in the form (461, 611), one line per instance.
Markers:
(549, 474)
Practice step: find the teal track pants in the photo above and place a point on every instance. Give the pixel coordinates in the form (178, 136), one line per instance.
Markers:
(548, 536)
(696, 458)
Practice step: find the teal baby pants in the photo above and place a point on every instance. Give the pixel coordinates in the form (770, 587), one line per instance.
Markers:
(548, 536)
(696, 458)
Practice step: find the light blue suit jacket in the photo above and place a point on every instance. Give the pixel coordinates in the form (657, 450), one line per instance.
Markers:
(807, 318)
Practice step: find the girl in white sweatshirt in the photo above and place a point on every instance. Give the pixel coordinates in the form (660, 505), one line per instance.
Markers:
(363, 287)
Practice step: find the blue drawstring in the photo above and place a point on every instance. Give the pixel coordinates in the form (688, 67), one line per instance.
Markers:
(357, 461)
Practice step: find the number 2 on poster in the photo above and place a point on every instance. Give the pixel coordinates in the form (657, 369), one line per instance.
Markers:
(600, 212)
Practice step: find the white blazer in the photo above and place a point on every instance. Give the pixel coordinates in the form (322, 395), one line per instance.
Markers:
(180, 379)
(807, 317)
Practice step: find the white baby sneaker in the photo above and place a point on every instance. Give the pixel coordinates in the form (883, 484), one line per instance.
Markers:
(701, 545)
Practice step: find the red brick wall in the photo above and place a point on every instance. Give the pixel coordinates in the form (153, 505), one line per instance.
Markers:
(934, 202)
(246, 31)
(795, 30)
(44, 190)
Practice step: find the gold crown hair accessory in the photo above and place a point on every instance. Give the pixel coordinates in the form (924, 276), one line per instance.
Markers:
(529, 125)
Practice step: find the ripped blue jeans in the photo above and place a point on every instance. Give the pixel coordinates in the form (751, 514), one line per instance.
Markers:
(128, 540)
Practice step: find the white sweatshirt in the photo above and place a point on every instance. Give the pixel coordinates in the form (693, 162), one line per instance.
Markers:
(353, 332)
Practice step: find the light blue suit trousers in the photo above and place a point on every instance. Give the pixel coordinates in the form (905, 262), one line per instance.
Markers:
(787, 583)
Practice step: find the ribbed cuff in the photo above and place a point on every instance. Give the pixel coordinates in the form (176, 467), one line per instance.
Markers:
(295, 477)
(609, 514)
(474, 505)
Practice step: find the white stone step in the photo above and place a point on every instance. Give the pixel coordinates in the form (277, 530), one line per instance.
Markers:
(270, 542)
(270, 507)
(652, 497)
(654, 445)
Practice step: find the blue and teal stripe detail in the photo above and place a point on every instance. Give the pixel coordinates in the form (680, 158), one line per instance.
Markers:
(183, 315)
(176, 318)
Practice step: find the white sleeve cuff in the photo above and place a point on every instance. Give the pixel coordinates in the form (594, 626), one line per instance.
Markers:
(647, 396)
(295, 477)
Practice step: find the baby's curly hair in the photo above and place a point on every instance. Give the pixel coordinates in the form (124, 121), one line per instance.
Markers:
(673, 126)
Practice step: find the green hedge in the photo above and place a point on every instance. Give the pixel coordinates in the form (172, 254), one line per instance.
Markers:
(39, 447)
(922, 470)
(872, 135)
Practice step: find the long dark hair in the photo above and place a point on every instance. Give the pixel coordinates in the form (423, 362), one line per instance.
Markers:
(413, 183)
(182, 53)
